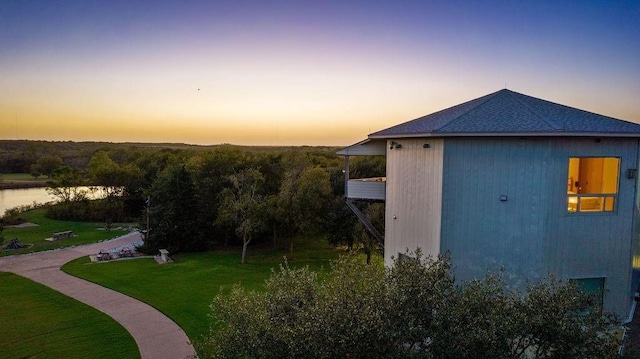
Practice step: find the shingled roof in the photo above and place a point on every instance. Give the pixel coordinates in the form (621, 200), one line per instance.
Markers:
(509, 113)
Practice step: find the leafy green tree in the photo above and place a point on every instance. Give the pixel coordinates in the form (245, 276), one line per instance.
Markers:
(242, 206)
(118, 183)
(211, 173)
(312, 197)
(414, 309)
(46, 164)
(367, 166)
(304, 201)
(104, 171)
(173, 214)
(65, 184)
(285, 207)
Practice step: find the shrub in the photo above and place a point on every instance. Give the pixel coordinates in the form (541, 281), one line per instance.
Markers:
(13, 216)
(415, 309)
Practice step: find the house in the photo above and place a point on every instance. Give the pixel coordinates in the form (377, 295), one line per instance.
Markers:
(515, 182)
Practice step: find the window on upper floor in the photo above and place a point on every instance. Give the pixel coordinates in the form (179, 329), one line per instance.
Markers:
(592, 185)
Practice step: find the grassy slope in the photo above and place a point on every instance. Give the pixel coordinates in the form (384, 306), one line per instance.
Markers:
(38, 322)
(184, 290)
(85, 233)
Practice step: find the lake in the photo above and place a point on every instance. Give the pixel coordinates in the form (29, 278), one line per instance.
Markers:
(10, 198)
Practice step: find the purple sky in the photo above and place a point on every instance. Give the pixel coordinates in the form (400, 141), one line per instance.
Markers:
(290, 72)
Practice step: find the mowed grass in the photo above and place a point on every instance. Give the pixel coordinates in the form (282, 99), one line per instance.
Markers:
(85, 233)
(22, 178)
(183, 290)
(38, 322)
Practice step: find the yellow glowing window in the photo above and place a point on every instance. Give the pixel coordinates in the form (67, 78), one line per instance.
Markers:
(592, 185)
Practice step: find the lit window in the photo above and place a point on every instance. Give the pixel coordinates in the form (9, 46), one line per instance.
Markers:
(592, 185)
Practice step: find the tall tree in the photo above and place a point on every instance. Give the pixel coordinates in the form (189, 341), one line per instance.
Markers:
(242, 204)
(312, 198)
(64, 184)
(173, 213)
(303, 202)
(46, 164)
(119, 183)
(211, 171)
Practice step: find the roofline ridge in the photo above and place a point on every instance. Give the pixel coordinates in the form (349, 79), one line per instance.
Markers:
(488, 97)
(535, 113)
(587, 111)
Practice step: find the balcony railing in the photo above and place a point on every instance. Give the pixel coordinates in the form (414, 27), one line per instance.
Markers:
(367, 188)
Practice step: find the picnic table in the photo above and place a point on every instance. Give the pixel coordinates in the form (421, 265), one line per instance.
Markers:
(62, 235)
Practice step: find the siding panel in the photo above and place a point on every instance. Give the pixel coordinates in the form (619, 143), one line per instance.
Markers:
(587, 245)
(413, 205)
(531, 233)
(492, 219)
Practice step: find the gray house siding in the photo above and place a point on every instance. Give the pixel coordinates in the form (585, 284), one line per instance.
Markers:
(598, 244)
(482, 230)
(504, 204)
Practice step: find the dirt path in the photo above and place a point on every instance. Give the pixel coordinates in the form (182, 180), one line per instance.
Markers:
(156, 335)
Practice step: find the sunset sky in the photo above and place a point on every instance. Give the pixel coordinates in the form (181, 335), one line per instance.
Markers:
(299, 72)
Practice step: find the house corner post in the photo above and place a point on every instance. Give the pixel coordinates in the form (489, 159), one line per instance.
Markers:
(346, 176)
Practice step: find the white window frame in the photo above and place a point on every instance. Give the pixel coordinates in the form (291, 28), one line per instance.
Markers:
(575, 201)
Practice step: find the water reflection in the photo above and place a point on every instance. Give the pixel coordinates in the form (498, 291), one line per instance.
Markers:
(11, 198)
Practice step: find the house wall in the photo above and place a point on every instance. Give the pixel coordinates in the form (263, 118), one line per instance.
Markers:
(504, 204)
(587, 245)
(414, 193)
(484, 230)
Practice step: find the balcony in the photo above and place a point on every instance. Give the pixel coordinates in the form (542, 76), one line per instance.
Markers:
(367, 188)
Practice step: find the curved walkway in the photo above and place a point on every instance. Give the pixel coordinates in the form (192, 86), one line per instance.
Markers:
(156, 335)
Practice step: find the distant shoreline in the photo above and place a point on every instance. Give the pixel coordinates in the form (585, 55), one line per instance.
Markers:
(22, 185)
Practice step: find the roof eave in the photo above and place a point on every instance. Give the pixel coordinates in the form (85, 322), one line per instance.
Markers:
(508, 134)
(365, 147)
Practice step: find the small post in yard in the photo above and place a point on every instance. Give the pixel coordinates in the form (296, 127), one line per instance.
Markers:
(164, 256)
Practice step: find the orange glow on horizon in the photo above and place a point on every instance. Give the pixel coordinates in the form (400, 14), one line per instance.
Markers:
(298, 74)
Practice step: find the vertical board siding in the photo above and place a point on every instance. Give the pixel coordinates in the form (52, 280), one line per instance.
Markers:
(414, 194)
(589, 245)
(483, 232)
(531, 233)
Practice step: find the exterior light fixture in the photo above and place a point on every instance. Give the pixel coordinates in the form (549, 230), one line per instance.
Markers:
(631, 173)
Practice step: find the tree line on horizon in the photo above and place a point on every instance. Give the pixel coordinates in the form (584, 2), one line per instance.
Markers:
(200, 198)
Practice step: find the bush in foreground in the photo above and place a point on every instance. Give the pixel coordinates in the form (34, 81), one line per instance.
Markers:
(413, 310)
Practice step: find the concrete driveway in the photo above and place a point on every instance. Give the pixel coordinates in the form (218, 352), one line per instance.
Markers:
(156, 335)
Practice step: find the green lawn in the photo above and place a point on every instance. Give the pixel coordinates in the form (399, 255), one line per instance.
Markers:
(85, 233)
(183, 290)
(22, 178)
(38, 322)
